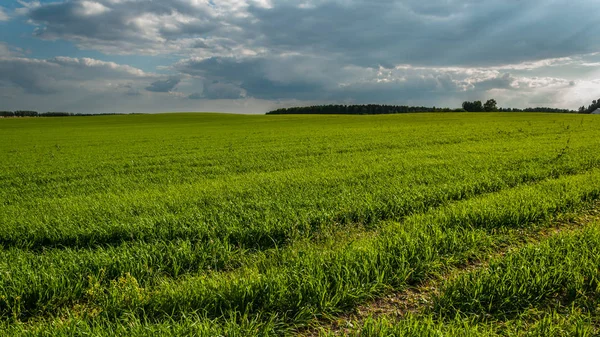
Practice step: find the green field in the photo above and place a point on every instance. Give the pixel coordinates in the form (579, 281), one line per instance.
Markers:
(239, 225)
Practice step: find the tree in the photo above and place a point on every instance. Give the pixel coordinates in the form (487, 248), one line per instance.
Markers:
(26, 113)
(475, 106)
(591, 108)
(490, 105)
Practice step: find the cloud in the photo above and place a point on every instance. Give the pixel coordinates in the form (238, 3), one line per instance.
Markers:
(316, 78)
(278, 79)
(502, 81)
(164, 85)
(5, 50)
(58, 74)
(218, 90)
(93, 86)
(140, 27)
(129, 89)
(436, 52)
(3, 15)
(274, 77)
(196, 95)
(358, 32)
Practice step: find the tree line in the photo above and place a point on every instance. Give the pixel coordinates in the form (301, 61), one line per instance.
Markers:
(367, 109)
(376, 109)
(591, 108)
(492, 106)
(356, 109)
(477, 106)
(20, 113)
(27, 113)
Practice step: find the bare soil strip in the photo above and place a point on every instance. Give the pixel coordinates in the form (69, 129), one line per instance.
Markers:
(416, 299)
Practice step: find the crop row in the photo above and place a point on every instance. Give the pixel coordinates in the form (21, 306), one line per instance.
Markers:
(299, 283)
(264, 210)
(549, 288)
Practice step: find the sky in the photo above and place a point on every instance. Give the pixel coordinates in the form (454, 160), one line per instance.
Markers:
(252, 56)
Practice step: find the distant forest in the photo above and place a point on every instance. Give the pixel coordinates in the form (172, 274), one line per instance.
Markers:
(378, 109)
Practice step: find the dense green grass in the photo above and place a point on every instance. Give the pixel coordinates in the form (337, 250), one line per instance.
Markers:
(222, 224)
(550, 288)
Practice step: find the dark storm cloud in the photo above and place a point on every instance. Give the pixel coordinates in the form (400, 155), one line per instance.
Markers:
(218, 90)
(273, 77)
(164, 85)
(250, 75)
(311, 78)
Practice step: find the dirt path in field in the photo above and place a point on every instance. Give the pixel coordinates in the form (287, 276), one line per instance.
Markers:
(416, 299)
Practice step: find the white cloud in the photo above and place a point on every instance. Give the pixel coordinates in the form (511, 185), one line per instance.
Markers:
(90, 8)
(3, 15)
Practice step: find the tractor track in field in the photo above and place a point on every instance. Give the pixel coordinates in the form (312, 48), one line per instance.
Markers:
(417, 298)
